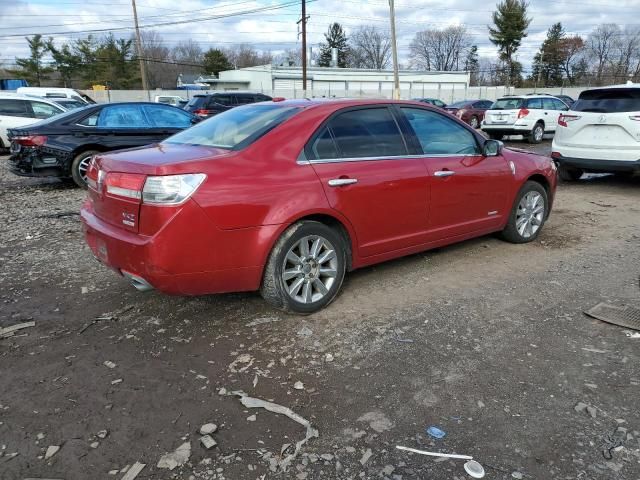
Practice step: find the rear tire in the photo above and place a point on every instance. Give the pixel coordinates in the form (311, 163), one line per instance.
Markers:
(537, 133)
(305, 279)
(568, 174)
(528, 214)
(79, 167)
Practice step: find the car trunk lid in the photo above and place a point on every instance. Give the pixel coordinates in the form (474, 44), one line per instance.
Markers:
(602, 130)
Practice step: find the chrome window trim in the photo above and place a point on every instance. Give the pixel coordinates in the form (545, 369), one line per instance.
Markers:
(301, 161)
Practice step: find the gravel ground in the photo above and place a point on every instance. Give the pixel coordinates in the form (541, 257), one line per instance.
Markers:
(484, 339)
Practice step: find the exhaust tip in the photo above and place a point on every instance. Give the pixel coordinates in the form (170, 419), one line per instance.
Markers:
(138, 282)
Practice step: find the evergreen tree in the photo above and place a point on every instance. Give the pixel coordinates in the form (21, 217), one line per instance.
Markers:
(336, 38)
(66, 62)
(548, 62)
(116, 66)
(510, 27)
(472, 65)
(215, 61)
(32, 68)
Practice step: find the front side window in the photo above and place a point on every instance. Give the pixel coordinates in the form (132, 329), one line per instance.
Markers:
(14, 108)
(161, 116)
(235, 128)
(122, 116)
(44, 110)
(439, 135)
(370, 132)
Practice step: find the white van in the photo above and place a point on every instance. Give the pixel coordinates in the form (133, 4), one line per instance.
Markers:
(55, 92)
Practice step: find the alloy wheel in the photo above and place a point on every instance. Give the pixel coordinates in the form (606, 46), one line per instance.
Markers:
(530, 214)
(538, 133)
(474, 122)
(310, 269)
(83, 167)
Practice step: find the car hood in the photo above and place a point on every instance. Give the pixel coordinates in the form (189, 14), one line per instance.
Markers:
(160, 159)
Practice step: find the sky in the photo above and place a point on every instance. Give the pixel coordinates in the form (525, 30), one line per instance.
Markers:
(276, 29)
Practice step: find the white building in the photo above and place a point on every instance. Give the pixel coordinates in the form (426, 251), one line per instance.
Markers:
(287, 81)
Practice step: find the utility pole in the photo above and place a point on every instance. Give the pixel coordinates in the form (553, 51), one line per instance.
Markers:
(394, 49)
(303, 21)
(143, 72)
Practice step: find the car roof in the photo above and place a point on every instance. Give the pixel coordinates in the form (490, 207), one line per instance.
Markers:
(335, 103)
(24, 96)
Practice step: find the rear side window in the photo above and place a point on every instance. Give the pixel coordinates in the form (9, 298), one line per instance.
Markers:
(14, 108)
(226, 100)
(161, 116)
(612, 100)
(122, 116)
(324, 147)
(535, 104)
(371, 132)
(439, 135)
(508, 104)
(486, 104)
(245, 99)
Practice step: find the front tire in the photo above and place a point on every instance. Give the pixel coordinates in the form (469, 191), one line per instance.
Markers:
(537, 133)
(528, 214)
(79, 167)
(568, 174)
(305, 269)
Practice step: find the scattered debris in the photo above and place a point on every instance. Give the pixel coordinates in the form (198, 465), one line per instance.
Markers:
(133, 472)
(435, 454)
(96, 320)
(109, 364)
(255, 381)
(474, 469)
(245, 358)
(581, 407)
(116, 381)
(102, 433)
(62, 214)
(208, 429)
(222, 391)
(377, 420)
(251, 418)
(94, 444)
(328, 357)
(51, 451)
(177, 458)
(305, 332)
(605, 205)
(632, 334)
(435, 432)
(298, 385)
(366, 456)
(263, 320)
(208, 442)
(251, 402)
(40, 436)
(592, 411)
(10, 331)
(518, 475)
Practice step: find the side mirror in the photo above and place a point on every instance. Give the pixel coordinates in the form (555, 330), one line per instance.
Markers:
(492, 148)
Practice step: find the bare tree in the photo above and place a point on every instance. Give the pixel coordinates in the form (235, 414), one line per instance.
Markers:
(369, 48)
(289, 58)
(188, 56)
(601, 44)
(161, 72)
(245, 55)
(628, 54)
(572, 53)
(442, 50)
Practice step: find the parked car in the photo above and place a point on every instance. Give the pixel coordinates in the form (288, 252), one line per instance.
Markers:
(601, 133)
(470, 111)
(286, 196)
(18, 110)
(63, 145)
(207, 105)
(69, 103)
(56, 92)
(174, 100)
(431, 101)
(566, 99)
(529, 115)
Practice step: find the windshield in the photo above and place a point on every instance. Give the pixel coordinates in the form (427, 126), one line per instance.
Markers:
(507, 104)
(458, 104)
(235, 128)
(71, 104)
(615, 100)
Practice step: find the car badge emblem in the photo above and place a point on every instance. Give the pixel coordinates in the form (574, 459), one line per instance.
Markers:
(602, 119)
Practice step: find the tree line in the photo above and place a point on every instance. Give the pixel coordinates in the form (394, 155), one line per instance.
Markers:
(607, 55)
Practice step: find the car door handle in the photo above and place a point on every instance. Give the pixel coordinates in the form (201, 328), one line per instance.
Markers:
(444, 173)
(340, 182)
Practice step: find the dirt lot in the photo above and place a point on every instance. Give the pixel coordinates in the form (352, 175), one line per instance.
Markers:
(485, 339)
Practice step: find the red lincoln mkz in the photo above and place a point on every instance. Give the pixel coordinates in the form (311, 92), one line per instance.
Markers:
(287, 196)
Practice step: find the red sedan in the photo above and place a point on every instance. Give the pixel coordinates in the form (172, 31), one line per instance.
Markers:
(285, 197)
(470, 111)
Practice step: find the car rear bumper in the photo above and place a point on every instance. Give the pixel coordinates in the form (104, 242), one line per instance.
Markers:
(32, 162)
(178, 260)
(598, 165)
(506, 129)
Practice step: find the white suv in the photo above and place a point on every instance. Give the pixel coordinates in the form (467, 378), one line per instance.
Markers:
(18, 110)
(529, 115)
(601, 133)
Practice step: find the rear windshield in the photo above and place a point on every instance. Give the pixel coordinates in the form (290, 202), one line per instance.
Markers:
(608, 101)
(235, 128)
(507, 104)
(197, 100)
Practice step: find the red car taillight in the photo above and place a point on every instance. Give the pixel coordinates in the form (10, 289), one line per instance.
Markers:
(563, 119)
(30, 140)
(125, 185)
(523, 113)
(202, 112)
(92, 175)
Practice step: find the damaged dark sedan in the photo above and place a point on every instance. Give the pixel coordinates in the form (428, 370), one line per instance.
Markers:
(62, 146)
